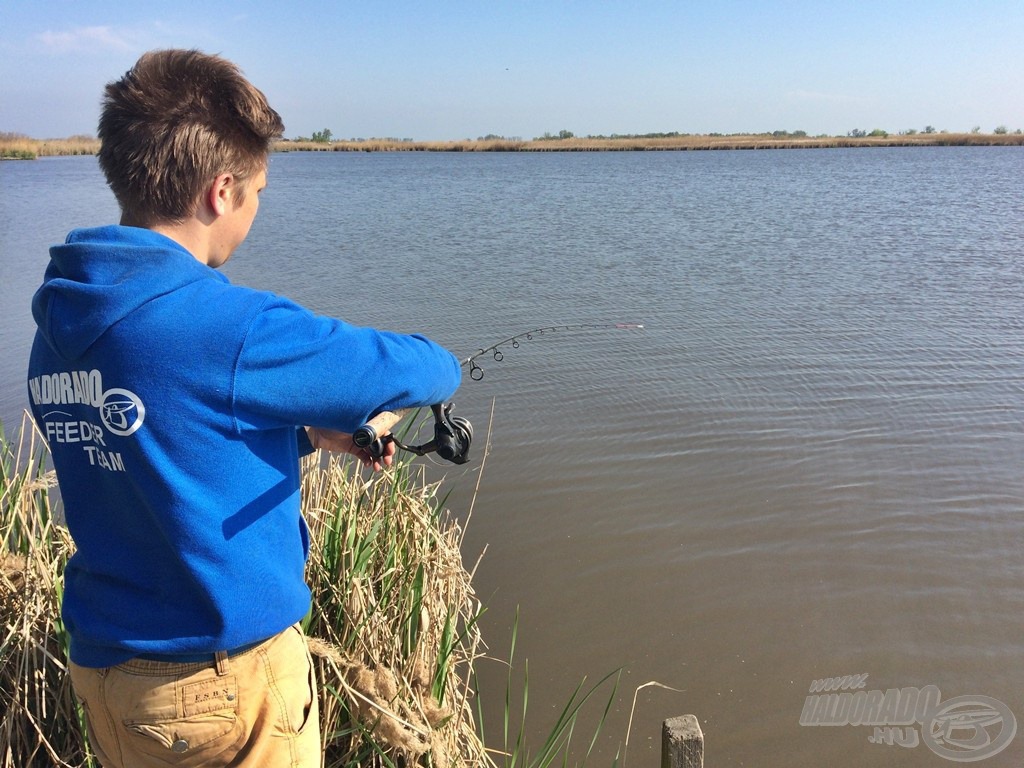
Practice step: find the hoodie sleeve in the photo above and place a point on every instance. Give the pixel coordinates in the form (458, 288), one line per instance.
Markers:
(298, 368)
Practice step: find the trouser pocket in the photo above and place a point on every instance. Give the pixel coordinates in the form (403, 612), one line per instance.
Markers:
(179, 719)
(190, 741)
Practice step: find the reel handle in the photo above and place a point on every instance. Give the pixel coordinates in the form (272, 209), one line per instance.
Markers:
(368, 436)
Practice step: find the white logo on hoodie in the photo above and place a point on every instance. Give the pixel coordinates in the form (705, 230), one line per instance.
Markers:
(120, 410)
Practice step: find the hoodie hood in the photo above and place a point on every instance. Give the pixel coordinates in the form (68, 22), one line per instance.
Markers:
(101, 275)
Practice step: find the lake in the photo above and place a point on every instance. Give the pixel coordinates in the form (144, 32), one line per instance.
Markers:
(806, 465)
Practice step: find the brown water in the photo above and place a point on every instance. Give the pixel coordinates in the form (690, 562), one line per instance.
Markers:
(806, 465)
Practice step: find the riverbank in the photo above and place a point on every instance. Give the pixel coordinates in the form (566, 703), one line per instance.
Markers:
(24, 148)
(393, 627)
(394, 645)
(16, 147)
(658, 143)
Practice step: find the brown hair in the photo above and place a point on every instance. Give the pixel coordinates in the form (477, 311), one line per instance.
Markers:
(172, 124)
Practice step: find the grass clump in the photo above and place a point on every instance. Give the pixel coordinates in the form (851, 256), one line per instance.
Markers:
(10, 153)
(40, 722)
(394, 620)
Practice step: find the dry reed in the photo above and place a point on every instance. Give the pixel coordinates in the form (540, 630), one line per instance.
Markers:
(394, 619)
(40, 724)
(393, 625)
(16, 146)
(648, 144)
(715, 142)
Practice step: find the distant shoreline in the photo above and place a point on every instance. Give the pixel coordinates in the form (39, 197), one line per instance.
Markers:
(663, 144)
(24, 148)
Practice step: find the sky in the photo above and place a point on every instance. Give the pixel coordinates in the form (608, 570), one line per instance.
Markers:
(434, 71)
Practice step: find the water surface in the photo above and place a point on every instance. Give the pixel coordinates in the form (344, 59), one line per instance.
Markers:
(808, 463)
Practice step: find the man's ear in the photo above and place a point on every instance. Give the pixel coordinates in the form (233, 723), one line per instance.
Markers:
(220, 194)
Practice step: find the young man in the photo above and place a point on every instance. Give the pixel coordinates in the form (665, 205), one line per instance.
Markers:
(176, 407)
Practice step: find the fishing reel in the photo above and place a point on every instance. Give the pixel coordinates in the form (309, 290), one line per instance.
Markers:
(452, 437)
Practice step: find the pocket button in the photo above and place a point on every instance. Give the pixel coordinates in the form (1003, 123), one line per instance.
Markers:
(180, 746)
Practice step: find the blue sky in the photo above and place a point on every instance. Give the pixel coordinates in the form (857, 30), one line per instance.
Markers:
(452, 70)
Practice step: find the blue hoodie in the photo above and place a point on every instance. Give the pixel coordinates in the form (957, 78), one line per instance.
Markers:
(172, 403)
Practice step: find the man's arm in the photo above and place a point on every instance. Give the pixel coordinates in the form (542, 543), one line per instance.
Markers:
(296, 367)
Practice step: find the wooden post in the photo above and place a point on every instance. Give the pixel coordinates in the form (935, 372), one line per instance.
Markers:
(682, 743)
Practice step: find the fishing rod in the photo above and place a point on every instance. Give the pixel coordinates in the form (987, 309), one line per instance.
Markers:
(453, 435)
(476, 372)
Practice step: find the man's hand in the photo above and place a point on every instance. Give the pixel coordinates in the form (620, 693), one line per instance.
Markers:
(341, 442)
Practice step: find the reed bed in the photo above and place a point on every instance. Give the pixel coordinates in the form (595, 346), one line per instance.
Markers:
(14, 146)
(393, 629)
(18, 147)
(394, 620)
(708, 142)
(40, 722)
(655, 144)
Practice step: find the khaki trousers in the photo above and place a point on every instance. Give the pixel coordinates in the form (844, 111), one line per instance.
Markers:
(256, 709)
